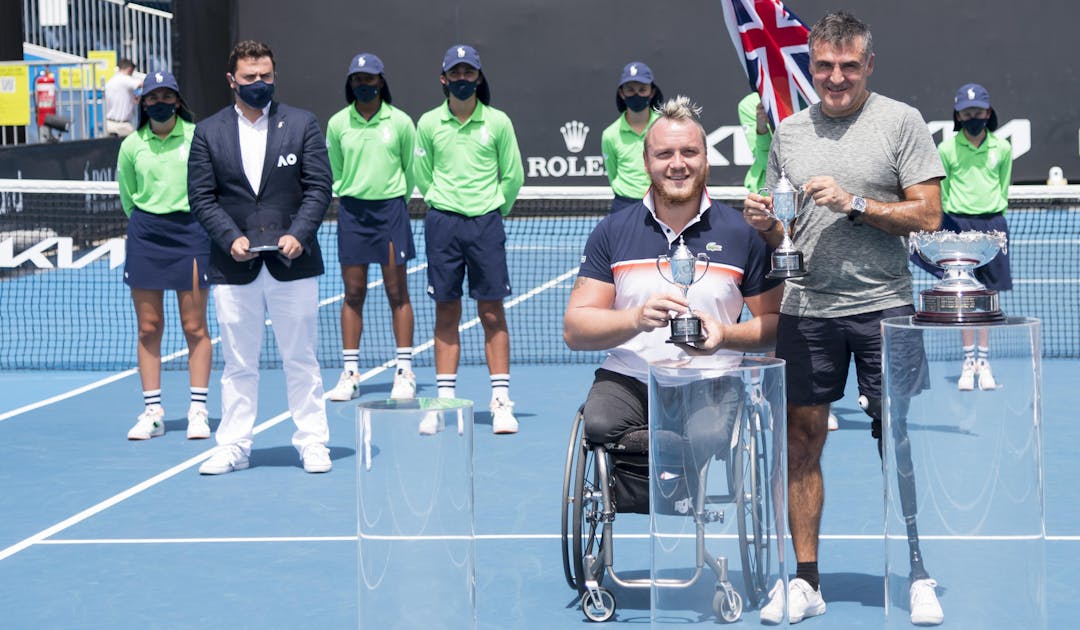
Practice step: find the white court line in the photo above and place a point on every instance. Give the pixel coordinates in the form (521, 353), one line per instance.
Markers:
(175, 470)
(305, 539)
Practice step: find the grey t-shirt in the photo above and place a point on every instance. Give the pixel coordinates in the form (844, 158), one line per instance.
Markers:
(875, 153)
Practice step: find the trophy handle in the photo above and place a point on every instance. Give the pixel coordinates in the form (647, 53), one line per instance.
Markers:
(800, 200)
(666, 260)
(702, 257)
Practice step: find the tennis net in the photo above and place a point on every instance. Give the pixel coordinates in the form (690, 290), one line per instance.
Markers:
(63, 303)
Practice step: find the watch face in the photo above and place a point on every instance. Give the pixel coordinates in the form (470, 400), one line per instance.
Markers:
(858, 204)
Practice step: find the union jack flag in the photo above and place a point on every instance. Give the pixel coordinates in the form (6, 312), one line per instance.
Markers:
(775, 54)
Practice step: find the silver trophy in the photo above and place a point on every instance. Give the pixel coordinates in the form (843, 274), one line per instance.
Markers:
(958, 298)
(686, 327)
(787, 262)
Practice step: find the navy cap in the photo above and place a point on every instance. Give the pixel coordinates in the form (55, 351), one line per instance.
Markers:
(461, 54)
(971, 95)
(636, 71)
(156, 80)
(366, 63)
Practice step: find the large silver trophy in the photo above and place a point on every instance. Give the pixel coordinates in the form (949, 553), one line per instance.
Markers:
(787, 261)
(958, 298)
(686, 327)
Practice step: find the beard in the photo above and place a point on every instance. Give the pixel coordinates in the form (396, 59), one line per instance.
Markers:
(669, 194)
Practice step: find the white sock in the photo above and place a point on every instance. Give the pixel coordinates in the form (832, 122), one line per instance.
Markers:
(500, 387)
(446, 383)
(351, 359)
(198, 397)
(404, 360)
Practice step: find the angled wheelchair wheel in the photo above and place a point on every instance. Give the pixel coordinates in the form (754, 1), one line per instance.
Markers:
(581, 528)
(752, 504)
(573, 452)
(599, 611)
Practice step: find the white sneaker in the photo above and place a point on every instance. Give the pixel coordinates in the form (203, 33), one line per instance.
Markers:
(404, 386)
(225, 459)
(431, 424)
(198, 424)
(925, 609)
(151, 424)
(803, 602)
(502, 417)
(967, 376)
(986, 377)
(316, 458)
(347, 388)
(834, 424)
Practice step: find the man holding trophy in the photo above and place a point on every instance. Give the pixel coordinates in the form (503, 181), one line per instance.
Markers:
(666, 278)
(870, 175)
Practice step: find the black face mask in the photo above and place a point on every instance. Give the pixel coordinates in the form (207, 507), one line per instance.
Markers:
(161, 112)
(974, 126)
(462, 89)
(637, 102)
(257, 94)
(365, 93)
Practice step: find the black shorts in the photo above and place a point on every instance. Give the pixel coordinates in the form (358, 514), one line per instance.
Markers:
(161, 249)
(818, 352)
(454, 244)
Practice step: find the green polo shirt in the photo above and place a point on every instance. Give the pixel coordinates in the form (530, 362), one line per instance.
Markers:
(759, 142)
(152, 171)
(976, 178)
(472, 168)
(624, 157)
(371, 159)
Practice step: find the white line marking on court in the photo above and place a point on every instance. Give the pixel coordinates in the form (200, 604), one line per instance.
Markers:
(153, 481)
(511, 537)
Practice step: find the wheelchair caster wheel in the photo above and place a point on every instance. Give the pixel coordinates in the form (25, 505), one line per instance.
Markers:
(727, 604)
(599, 611)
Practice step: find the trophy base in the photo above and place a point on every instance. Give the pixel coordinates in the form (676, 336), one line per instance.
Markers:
(686, 330)
(787, 265)
(977, 306)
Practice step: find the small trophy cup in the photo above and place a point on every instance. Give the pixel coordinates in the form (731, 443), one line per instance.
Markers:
(686, 327)
(787, 262)
(958, 298)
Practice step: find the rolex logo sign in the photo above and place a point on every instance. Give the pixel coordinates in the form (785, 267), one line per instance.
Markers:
(574, 135)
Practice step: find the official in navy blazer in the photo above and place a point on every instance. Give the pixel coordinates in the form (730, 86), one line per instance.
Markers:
(259, 181)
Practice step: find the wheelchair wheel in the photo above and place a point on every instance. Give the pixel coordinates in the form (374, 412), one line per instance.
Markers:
(581, 531)
(752, 505)
(600, 611)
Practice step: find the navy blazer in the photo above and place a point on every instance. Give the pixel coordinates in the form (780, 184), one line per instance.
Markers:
(293, 197)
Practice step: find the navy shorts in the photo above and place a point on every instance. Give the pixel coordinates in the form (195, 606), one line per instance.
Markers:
(367, 228)
(454, 244)
(996, 274)
(160, 249)
(818, 352)
(622, 203)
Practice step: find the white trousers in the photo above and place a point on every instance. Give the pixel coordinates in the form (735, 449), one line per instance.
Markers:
(293, 309)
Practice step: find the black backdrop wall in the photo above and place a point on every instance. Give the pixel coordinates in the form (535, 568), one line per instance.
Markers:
(554, 61)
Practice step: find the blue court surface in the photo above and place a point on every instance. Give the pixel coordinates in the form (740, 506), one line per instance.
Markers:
(99, 532)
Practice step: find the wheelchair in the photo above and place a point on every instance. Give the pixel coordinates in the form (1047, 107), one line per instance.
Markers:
(593, 495)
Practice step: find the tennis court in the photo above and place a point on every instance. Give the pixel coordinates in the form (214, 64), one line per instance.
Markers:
(102, 532)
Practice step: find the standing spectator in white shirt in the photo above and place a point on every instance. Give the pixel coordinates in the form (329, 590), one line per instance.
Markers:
(120, 99)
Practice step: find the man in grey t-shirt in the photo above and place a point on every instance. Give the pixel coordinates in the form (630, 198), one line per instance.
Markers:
(869, 166)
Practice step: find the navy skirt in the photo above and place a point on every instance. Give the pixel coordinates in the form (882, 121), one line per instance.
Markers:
(366, 229)
(161, 248)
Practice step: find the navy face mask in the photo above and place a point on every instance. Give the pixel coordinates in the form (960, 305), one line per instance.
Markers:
(974, 126)
(365, 93)
(462, 89)
(161, 112)
(257, 94)
(637, 102)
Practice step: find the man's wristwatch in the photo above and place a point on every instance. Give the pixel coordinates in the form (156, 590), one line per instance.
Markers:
(858, 207)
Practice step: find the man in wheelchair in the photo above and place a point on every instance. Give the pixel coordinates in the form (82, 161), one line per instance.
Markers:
(622, 304)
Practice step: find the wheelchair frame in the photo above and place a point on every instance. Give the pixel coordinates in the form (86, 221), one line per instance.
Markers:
(588, 514)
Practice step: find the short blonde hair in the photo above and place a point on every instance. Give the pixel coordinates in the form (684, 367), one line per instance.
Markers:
(678, 109)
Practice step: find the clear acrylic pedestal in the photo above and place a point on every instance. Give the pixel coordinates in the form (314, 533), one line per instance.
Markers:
(718, 488)
(415, 524)
(964, 475)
